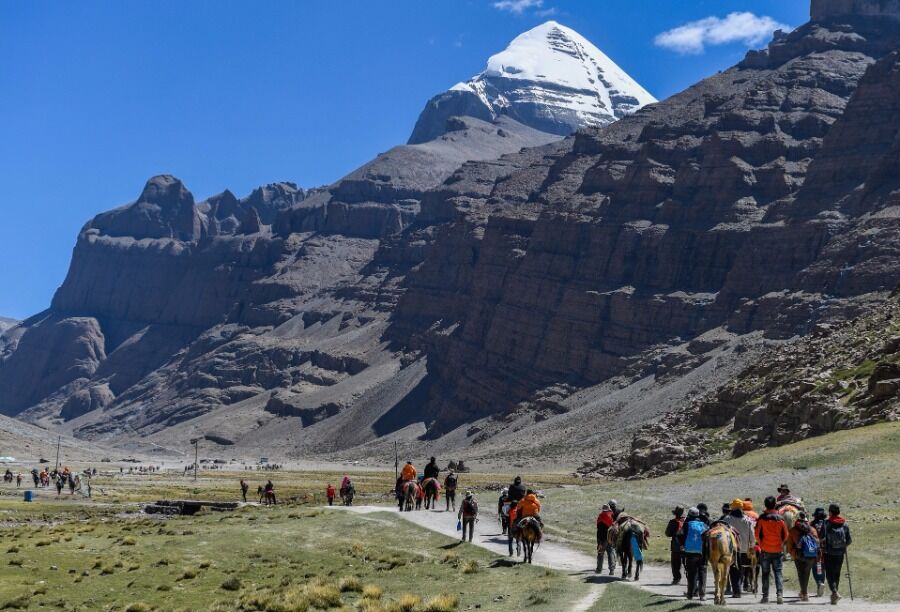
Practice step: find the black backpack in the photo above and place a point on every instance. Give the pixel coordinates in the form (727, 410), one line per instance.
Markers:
(450, 482)
(836, 537)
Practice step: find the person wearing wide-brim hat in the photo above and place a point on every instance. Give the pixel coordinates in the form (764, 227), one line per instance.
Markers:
(783, 492)
(672, 530)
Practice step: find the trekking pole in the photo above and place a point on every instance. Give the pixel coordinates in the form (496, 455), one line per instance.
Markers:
(849, 574)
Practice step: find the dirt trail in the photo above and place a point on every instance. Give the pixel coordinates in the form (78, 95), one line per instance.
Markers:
(655, 579)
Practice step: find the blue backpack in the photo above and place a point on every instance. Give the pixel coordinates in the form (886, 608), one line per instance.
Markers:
(693, 542)
(809, 548)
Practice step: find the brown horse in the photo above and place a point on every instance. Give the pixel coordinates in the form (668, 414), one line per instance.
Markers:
(432, 489)
(751, 573)
(722, 552)
(630, 530)
(409, 490)
(531, 534)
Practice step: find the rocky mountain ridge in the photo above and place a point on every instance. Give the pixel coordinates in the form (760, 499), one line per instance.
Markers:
(561, 294)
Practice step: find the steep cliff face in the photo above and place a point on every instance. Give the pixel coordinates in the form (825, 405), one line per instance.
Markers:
(741, 202)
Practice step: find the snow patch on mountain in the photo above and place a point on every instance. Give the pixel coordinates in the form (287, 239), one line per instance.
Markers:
(550, 78)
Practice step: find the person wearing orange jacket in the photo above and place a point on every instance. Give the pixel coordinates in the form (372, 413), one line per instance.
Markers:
(771, 534)
(408, 472)
(529, 507)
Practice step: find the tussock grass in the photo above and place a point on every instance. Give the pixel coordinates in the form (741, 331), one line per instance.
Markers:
(138, 607)
(232, 584)
(408, 602)
(444, 602)
(471, 567)
(372, 591)
(350, 584)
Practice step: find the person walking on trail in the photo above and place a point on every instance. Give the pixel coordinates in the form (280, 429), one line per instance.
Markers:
(704, 513)
(450, 490)
(244, 488)
(690, 540)
(431, 469)
(746, 538)
(18, 479)
(771, 533)
(503, 510)
(468, 514)
(818, 523)
(517, 491)
(59, 486)
(805, 550)
(329, 493)
(837, 539)
(604, 548)
(672, 529)
(408, 472)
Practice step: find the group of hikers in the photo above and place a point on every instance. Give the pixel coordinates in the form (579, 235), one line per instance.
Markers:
(60, 479)
(347, 492)
(265, 493)
(817, 545)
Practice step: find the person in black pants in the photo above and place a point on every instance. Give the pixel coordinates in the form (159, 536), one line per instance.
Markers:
(837, 539)
(690, 540)
(672, 530)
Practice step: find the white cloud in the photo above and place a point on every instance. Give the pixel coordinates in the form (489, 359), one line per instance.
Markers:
(518, 6)
(692, 37)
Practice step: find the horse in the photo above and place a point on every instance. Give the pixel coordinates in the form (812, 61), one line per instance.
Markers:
(432, 489)
(789, 512)
(722, 552)
(631, 532)
(408, 493)
(531, 534)
(269, 497)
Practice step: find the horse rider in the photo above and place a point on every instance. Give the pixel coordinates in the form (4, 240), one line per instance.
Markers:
(672, 529)
(408, 472)
(529, 507)
(746, 538)
(450, 490)
(771, 533)
(516, 491)
(604, 548)
(431, 469)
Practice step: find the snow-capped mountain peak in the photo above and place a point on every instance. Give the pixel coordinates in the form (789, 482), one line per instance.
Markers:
(550, 78)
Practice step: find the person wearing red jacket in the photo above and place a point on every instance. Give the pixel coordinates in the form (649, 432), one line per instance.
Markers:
(771, 534)
(604, 548)
(672, 530)
(329, 493)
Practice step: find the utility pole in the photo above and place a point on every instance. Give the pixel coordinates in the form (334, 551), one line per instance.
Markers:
(196, 443)
(58, 439)
(396, 463)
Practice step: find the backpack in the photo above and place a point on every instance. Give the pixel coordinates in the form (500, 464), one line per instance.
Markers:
(469, 508)
(836, 537)
(693, 542)
(809, 547)
(450, 482)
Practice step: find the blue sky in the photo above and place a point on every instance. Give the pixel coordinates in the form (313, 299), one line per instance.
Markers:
(95, 97)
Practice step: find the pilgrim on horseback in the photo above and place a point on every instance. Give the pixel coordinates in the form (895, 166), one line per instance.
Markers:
(407, 487)
(529, 523)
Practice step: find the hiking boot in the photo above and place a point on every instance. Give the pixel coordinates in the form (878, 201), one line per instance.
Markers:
(820, 590)
(611, 571)
(835, 597)
(779, 600)
(764, 600)
(676, 581)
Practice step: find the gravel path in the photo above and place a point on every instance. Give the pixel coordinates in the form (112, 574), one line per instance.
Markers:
(579, 566)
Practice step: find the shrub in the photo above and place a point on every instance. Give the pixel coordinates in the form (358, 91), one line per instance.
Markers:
(471, 567)
(372, 591)
(19, 603)
(350, 584)
(444, 602)
(408, 602)
(189, 574)
(232, 584)
(323, 594)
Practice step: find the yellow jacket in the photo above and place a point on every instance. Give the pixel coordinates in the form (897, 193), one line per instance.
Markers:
(408, 472)
(528, 506)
